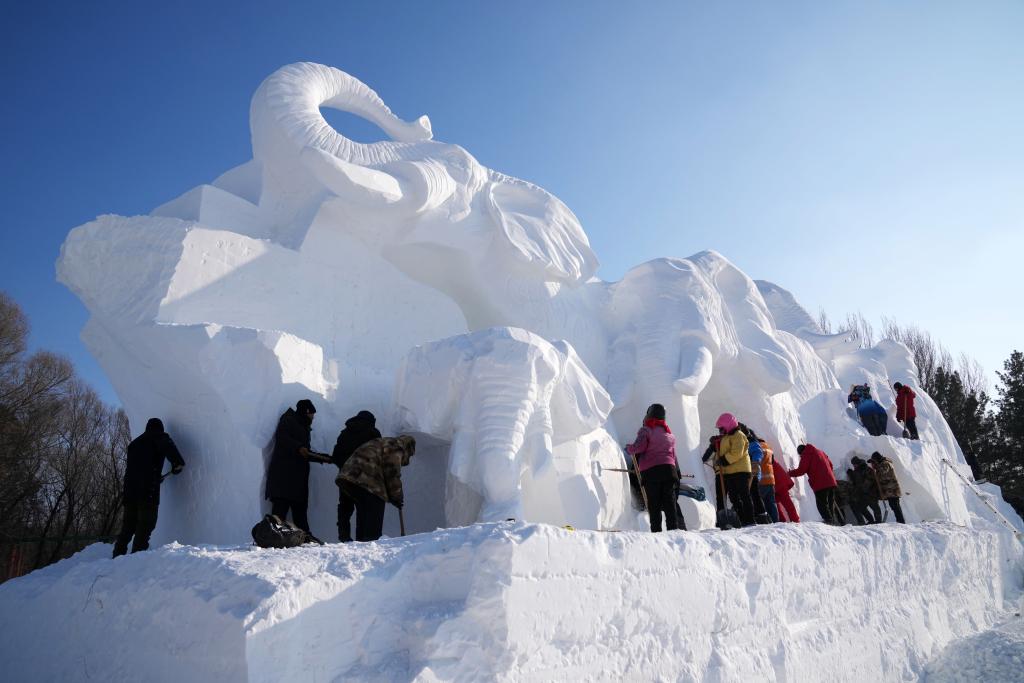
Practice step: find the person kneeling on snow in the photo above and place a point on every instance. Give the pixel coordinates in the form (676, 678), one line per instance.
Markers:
(734, 461)
(142, 477)
(818, 468)
(372, 477)
(888, 484)
(655, 452)
(359, 429)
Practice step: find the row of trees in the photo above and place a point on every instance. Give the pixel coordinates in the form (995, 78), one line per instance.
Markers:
(61, 454)
(990, 432)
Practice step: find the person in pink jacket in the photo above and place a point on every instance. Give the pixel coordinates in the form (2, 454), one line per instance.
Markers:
(783, 484)
(818, 468)
(655, 452)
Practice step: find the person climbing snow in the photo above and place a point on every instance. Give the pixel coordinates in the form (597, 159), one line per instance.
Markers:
(905, 411)
(734, 461)
(144, 463)
(872, 416)
(655, 453)
(288, 473)
(372, 478)
(818, 468)
(359, 429)
(888, 484)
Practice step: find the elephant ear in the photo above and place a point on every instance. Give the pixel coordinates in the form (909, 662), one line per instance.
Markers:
(579, 404)
(541, 230)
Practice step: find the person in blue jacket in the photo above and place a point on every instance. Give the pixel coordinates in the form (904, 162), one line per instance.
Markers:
(756, 455)
(872, 416)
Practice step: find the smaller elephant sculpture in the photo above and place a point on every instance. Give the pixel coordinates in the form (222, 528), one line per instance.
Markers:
(525, 420)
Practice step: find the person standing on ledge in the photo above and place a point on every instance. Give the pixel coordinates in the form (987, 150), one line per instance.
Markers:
(359, 429)
(905, 411)
(372, 478)
(288, 473)
(142, 477)
(818, 468)
(655, 451)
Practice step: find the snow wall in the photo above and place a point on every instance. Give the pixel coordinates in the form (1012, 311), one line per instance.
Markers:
(517, 602)
(458, 304)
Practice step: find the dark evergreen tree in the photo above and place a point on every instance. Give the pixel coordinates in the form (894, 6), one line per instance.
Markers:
(1010, 423)
(969, 419)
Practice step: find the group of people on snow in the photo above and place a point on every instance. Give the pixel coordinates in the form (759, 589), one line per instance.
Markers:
(369, 472)
(757, 485)
(369, 475)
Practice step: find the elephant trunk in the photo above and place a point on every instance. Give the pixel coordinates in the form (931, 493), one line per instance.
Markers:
(285, 116)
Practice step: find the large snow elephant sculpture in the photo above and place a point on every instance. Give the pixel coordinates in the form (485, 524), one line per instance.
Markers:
(525, 421)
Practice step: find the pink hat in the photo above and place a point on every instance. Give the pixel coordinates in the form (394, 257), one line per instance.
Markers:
(727, 421)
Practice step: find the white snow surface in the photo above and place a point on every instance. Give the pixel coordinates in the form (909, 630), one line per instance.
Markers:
(516, 602)
(460, 305)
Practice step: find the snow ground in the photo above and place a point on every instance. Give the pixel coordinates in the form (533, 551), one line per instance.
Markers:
(515, 601)
(993, 655)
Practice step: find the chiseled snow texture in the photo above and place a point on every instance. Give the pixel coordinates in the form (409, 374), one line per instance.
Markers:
(514, 602)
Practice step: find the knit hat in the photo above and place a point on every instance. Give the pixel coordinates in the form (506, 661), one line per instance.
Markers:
(154, 426)
(305, 406)
(656, 411)
(800, 449)
(876, 457)
(897, 386)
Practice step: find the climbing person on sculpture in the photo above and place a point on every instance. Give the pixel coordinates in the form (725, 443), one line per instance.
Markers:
(655, 452)
(865, 490)
(359, 429)
(888, 484)
(766, 486)
(761, 515)
(142, 476)
(288, 473)
(905, 411)
(372, 478)
(783, 485)
(818, 468)
(734, 460)
(872, 416)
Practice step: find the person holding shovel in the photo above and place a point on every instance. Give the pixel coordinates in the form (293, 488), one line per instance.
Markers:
(654, 453)
(372, 478)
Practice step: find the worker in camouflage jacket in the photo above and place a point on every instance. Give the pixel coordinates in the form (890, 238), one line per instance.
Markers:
(372, 477)
(888, 484)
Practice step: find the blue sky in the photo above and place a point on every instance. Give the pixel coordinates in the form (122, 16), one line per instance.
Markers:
(868, 156)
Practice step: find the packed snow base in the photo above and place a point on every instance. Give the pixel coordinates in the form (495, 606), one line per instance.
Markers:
(515, 602)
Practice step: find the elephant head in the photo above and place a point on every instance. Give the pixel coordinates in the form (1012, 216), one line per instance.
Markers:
(507, 400)
(423, 200)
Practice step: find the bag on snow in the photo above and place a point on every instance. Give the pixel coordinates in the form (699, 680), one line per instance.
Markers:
(271, 532)
(695, 492)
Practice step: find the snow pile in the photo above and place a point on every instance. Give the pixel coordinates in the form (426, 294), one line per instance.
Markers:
(329, 269)
(511, 602)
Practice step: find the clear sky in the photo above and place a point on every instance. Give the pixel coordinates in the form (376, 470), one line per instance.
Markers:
(867, 156)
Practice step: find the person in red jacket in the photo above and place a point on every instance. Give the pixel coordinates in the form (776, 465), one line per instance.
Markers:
(783, 483)
(818, 468)
(905, 411)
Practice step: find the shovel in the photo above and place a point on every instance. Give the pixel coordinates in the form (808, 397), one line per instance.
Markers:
(599, 469)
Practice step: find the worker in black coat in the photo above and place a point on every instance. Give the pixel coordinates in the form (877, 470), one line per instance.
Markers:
(142, 476)
(288, 473)
(359, 429)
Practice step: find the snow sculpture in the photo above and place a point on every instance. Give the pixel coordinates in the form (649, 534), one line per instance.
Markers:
(516, 410)
(311, 270)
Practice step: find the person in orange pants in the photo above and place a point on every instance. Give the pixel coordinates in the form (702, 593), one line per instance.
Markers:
(783, 484)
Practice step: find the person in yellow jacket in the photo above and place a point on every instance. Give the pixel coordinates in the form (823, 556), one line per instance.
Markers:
(734, 459)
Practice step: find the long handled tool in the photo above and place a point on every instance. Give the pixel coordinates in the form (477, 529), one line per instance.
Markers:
(643, 493)
(1018, 534)
(602, 469)
(401, 520)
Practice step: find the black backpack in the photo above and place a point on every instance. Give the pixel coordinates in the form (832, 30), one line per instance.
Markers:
(271, 532)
